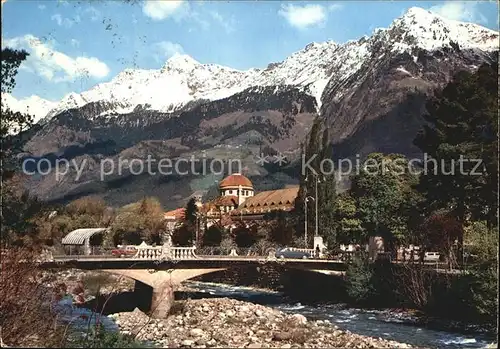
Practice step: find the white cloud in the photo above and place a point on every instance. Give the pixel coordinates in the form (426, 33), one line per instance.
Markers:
(166, 49)
(54, 65)
(65, 22)
(466, 11)
(180, 10)
(227, 24)
(94, 13)
(199, 19)
(159, 10)
(306, 16)
(75, 43)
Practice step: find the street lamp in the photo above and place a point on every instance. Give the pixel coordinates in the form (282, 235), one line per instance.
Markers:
(316, 181)
(197, 237)
(305, 214)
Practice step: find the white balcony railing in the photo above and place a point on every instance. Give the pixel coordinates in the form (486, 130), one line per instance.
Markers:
(160, 252)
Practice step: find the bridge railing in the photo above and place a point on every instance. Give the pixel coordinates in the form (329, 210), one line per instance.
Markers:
(149, 252)
(218, 251)
(183, 252)
(157, 252)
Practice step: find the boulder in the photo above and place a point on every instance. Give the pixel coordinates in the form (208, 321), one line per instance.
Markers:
(196, 332)
(299, 319)
(282, 336)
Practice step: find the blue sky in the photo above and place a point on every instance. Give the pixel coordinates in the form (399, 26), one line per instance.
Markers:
(77, 44)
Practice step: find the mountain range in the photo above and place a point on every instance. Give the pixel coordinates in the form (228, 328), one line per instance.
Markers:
(370, 93)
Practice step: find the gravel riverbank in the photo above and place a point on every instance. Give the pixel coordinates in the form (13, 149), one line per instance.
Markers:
(228, 323)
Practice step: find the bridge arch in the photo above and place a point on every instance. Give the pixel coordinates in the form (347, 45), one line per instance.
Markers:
(154, 278)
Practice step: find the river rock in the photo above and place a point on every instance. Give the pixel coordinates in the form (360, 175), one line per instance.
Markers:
(243, 324)
(282, 336)
(187, 342)
(196, 332)
(300, 319)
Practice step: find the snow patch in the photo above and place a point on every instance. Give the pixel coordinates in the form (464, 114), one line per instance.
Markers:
(182, 79)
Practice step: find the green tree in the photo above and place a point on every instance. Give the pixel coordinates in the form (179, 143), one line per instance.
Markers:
(191, 213)
(384, 195)
(182, 236)
(213, 235)
(245, 236)
(439, 232)
(317, 176)
(463, 125)
(280, 230)
(359, 280)
(347, 223)
(139, 221)
(190, 225)
(18, 209)
(19, 215)
(482, 242)
(11, 122)
(87, 212)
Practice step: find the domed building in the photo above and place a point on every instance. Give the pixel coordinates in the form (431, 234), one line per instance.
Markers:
(238, 202)
(238, 186)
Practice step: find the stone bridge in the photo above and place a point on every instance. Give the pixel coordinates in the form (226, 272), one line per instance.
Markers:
(157, 271)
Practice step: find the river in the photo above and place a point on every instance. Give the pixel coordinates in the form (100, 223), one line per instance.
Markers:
(386, 324)
(398, 326)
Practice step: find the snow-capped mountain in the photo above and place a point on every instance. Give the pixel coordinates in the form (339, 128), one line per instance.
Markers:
(33, 105)
(370, 94)
(182, 79)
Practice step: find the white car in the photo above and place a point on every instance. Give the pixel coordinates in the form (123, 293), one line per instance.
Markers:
(431, 257)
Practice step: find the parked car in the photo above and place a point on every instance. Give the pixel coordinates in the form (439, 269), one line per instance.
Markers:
(124, 251)
(431, 257)
(288, 253)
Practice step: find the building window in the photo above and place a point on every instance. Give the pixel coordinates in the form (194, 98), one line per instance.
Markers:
(229, 192)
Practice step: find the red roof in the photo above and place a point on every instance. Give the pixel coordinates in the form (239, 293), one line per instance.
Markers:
(228, 200)
(235, 180)
(266, 201)
(177, 214)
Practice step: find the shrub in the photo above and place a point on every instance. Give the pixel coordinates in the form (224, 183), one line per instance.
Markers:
(359, 277)
(213, 236)
(414, 284)
(245, 237)
(262, 247)
(25, 316)
(484, 243)
(183, 236)
(227, 245)
(100, 338)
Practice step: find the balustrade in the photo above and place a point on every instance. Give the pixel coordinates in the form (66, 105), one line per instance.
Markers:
(155, 253)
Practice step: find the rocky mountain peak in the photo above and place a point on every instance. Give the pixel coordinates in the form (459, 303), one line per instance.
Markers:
(183, 80)
(428, 30)
(181, 62)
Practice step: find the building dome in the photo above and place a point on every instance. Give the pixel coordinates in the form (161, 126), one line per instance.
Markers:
(235, 180)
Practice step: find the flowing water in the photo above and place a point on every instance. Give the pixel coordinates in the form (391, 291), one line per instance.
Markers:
(81, 319)
(386, 324)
